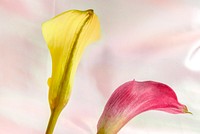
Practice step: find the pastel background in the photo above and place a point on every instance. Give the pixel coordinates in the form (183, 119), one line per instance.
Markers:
(141, 39)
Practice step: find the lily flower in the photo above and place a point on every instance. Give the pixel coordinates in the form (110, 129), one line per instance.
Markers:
(133, 98)
(67, 35)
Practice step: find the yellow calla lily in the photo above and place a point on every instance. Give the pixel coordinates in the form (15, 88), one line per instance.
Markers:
(67, 35)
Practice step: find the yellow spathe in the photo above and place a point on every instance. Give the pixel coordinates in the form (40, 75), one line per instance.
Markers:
(66, 36)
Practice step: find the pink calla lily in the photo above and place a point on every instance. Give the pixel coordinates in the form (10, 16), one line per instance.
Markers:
(133, 98)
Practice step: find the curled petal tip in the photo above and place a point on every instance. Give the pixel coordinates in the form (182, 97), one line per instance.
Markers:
(185, 110)
(90, 11)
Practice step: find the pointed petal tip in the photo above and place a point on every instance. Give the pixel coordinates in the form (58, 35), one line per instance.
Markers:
(185, 110)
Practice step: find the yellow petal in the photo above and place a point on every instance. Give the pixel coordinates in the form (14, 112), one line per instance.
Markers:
(66, 36)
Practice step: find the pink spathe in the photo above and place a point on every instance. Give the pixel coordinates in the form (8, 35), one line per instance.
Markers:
(133, 98)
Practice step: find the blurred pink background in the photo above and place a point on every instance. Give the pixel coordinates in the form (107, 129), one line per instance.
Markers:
(144, 40)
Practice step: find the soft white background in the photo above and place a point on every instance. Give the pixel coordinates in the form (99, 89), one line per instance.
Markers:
(141, 39)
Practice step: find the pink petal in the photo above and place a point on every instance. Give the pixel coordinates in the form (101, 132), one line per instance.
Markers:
(133, 98)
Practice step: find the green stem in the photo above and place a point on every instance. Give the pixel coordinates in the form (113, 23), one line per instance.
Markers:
(52, 121)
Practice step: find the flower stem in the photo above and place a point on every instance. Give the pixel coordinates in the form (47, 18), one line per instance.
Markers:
(52, 121)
